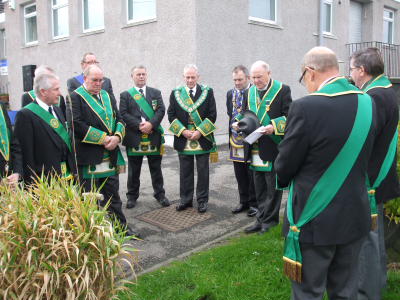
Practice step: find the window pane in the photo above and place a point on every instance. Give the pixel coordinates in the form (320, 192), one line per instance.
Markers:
(93, 14)
(263, 9)
(57, 2)
(60, 21)
(327, 13)
(30, 9)
(141, 9)
(388, 14)
(30, 29)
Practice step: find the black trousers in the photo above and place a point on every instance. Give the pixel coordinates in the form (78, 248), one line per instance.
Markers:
(268, 198)
(186, 180)
(110, 190)
(134, 169)
(245, 181)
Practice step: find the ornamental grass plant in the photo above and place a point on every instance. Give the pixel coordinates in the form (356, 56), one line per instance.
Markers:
(55, 245)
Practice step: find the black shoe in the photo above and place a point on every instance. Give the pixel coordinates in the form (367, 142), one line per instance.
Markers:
(183, 206)
(252, 212)
(164, 201)
(264, 228)
(130, 203)
(130, 232)
(238, 209)
(253, 228)
(202, 208)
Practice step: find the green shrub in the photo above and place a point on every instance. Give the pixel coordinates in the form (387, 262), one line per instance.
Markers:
(53, 245)
(392, 207)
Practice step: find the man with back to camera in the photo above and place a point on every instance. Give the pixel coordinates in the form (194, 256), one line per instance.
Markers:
(269, 99)
(366, 69)
(323, 158)
(192, 113)
(235, 98)
(142, 109)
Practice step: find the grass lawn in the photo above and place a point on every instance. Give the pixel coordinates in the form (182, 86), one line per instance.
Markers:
(246, 267)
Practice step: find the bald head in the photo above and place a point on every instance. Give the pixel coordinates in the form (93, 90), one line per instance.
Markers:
(260, 74)
(321, 59)
(93, 78)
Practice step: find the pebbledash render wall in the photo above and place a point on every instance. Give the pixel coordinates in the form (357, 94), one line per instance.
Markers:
(215, 35)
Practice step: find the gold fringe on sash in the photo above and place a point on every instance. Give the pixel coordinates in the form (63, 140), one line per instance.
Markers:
(292, 269)
(374, 222)
(214, 157)
(162, 149)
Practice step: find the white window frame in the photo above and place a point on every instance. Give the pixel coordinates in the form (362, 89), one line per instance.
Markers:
(83, 20)
(266, 20)
(27, 16)
(140, 19)
(330, 3)
(54, 8)
(389, 20)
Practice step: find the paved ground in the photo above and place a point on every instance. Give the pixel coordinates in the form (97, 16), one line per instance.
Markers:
(161, 246)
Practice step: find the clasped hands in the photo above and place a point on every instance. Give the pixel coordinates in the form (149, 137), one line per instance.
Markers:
(191, 135)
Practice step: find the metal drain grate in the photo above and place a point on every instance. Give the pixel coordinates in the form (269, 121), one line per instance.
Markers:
(169, 219)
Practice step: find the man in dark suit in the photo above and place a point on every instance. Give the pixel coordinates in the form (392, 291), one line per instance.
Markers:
(269, 99)
(88, 59)
(41, 131)
(366, 69)
(324, 158)
(192, 113)
(142, 110)
(235, 99)
(30, 96)
(98, 129)
(10, 158)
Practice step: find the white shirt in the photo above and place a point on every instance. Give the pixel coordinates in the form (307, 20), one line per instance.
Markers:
(143, 88)
(193, 89)
(46, 107)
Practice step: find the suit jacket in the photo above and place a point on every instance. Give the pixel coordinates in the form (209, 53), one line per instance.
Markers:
(73, 84)
(132, 114)
(388, 118)
(83, 118)
(317, 128)
(42, 148)
(268, 149)
(206, 110)
(26, 99)
(15, 158)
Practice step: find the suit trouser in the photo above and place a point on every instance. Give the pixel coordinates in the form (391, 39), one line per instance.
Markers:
(186, 180)
(245, 181)
(268, 198)
(372, 264)
(134, 170)
(334, 268)
(110, 190)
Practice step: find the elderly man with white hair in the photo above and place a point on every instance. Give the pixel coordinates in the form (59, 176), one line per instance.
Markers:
(269, 99)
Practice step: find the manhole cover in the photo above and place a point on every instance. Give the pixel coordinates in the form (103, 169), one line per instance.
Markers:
(169, 219)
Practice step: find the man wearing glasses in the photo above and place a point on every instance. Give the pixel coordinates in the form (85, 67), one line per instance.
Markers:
(269, 99)
(366, 69)
(98, 129)
(88, 59)
(323, 159)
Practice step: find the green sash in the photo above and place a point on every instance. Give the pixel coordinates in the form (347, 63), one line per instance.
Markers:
(145, 106)
(380, 81)
(104, 110)
(53, 122)
(261, 106)
(331, 181)
(186, 103)
(5, 136)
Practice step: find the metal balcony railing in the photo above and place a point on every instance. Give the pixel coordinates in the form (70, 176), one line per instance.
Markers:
(390, 54)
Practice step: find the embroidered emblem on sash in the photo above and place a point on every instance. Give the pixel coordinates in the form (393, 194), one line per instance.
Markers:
(54, 123)
(281, 126)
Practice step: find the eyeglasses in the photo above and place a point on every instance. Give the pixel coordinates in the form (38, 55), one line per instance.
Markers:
(353, 68)
(92, 62)
(301, 79)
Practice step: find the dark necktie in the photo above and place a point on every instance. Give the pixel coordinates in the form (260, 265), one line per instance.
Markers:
(50, 110)
(141, 91)
(191, 94)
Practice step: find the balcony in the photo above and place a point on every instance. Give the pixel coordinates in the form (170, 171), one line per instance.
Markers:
(390, 54)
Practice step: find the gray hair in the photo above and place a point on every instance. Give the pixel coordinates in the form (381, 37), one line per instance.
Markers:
(371, 59)
(241, 68)
(190, 66)
(88, 70)
(260, 63)
(84, 56)
(43, 82)
(138, 67)
(43, 69)
(321, 59)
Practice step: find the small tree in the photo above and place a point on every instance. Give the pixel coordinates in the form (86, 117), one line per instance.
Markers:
(55, 245)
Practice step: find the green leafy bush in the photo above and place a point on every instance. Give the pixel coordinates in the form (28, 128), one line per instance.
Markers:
(54, 245)
(392, 207)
